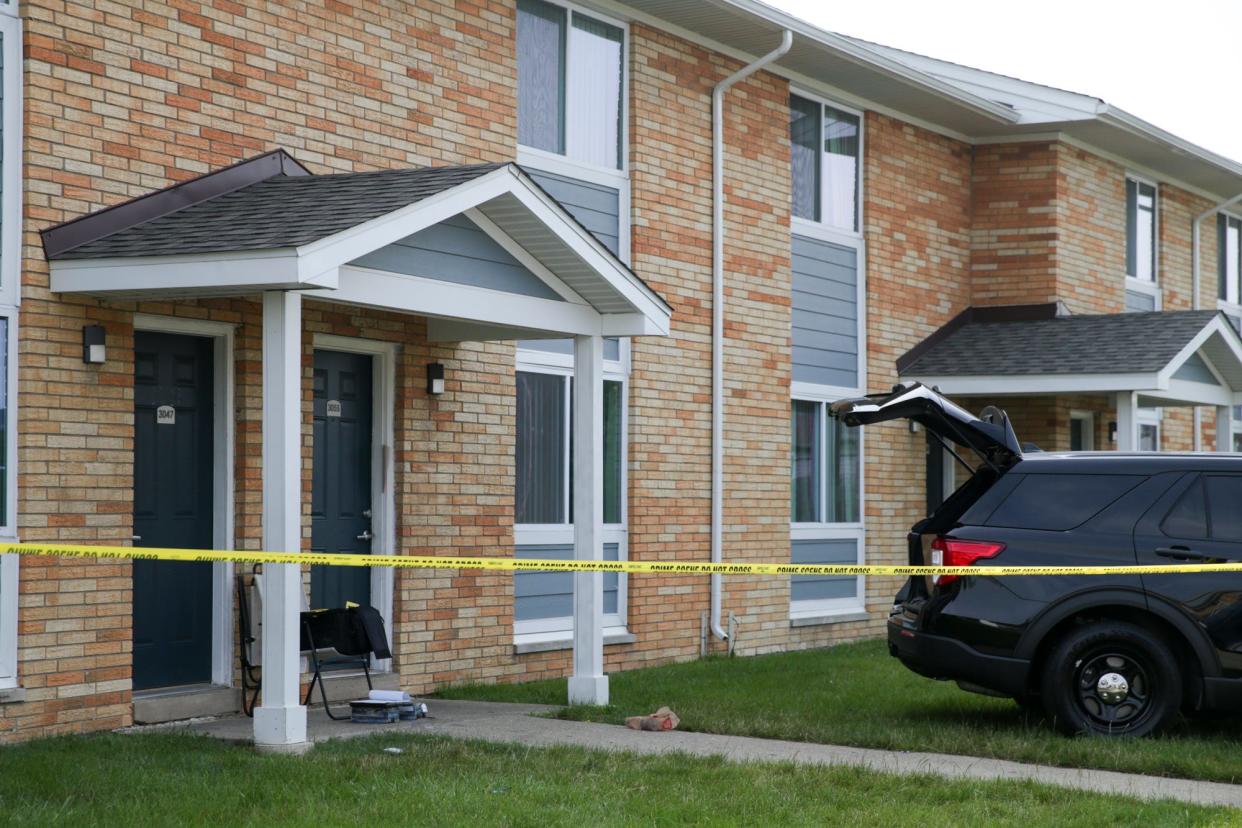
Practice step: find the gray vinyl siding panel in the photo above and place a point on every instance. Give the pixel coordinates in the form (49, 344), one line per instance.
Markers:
(1139, 302)
(457, 250)
(823, 587)
(1195, 369)
(825, 313)
(538, 595)
(595, 206)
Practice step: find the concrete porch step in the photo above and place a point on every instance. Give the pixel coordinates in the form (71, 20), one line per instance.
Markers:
(172, 704)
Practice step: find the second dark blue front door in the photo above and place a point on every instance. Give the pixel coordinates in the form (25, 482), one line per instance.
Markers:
(341, 496)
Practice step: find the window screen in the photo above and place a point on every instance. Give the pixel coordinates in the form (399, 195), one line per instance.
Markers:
(540, 451)
(541, 75)
(1060, 501)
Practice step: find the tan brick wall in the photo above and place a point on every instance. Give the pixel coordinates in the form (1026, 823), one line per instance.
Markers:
(1013, 230)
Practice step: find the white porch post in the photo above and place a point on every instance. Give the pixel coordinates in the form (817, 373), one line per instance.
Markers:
(280, 722)
(1127, 421)
(588, 684)
(1224, 428)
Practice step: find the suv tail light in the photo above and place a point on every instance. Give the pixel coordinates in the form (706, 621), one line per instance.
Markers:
(953, 552)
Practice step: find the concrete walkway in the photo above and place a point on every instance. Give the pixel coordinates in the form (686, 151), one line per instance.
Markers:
(516, 723)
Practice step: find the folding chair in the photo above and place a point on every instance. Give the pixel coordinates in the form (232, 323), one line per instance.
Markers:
(335, 639)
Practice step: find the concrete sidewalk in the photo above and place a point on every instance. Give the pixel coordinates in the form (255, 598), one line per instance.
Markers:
(517, 723)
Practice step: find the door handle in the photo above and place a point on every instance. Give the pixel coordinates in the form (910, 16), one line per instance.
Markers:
(1181, 553)
(366, 535)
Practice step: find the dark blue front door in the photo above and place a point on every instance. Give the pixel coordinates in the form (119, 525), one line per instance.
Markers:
(173, 380)
(341, 496)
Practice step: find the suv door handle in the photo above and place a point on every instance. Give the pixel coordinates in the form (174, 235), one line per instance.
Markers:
(1181, 553)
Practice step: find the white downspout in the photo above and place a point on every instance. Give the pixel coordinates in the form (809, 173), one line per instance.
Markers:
(718, 311)
(1196, 284)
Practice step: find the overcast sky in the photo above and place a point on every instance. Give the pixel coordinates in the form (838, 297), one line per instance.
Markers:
(1174, 64)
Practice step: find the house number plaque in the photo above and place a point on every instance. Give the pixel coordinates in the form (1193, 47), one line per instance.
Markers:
(334, 408)
(166, 415)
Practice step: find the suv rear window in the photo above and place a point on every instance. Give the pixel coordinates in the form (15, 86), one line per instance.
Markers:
(1060, 501)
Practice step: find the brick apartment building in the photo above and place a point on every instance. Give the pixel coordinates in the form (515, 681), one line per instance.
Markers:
(285, 221)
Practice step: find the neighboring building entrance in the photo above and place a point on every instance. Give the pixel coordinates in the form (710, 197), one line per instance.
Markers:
(341, 497)
(173, 478)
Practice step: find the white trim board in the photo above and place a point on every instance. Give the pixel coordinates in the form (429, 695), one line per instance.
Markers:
(222, 475)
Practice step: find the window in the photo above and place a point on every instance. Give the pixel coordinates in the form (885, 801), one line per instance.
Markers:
(1208, 509)
(543, 506)
(826, 508)
(825, 144)
(1141, 231)
(1229, 258)
(10, 278)
(1148, 429)
(570, 79)
(1058, 502)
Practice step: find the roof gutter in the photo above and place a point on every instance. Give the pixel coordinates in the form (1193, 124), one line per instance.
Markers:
(718, 94)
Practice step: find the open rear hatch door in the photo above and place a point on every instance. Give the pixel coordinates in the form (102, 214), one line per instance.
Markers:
(989, 435)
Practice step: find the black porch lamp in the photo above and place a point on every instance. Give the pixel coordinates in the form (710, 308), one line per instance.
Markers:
(435, 378)
(93, 350)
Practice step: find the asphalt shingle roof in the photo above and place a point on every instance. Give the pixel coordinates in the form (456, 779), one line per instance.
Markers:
(279, 212)
(1096, 344)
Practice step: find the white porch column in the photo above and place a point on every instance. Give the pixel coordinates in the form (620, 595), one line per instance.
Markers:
(588, 684)
(280, 722)
(1127, 421)
(1224, 428)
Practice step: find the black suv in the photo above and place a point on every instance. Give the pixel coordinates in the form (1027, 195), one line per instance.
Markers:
(1110, 655)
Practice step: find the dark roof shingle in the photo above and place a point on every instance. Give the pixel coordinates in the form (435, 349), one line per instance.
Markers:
(279, 212)
(1118, 343)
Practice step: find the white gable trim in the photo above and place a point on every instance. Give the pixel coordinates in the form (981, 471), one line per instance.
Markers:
(320, 268)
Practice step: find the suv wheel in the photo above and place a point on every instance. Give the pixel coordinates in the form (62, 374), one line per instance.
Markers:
(1111, 678)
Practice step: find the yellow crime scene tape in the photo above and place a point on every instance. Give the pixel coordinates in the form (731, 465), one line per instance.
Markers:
(511, 564)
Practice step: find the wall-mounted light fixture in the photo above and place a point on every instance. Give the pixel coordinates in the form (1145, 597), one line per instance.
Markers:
(1112, 432)
(93, 350)
(915, 428)
(435, 378)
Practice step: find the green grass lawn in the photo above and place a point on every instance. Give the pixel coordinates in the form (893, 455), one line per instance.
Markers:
(857, 695)
(178, 779)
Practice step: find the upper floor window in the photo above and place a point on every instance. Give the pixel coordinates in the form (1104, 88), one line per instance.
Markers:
(570, 81)
(1229, 247)
(824, 158)
(1140, 230)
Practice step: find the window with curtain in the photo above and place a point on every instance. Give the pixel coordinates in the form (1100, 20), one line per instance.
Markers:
(1140, 230)
(543, 505)
(826, 510)
(1229, 257)
(824, 159)
(570, 83)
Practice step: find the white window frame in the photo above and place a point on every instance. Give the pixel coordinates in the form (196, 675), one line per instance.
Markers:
(1233, 309)
(546, 631)
(1149, 417)
(818, 229)
(1135, 285)
(1088, 428)
(828, 611)
(832, 609)
(617, 178)
(10, 298)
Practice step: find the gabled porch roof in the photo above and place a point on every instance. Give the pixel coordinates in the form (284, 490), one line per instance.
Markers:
(267, 224)
(1165, 357)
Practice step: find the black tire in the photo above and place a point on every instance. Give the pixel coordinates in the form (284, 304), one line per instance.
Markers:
(1082, 695)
